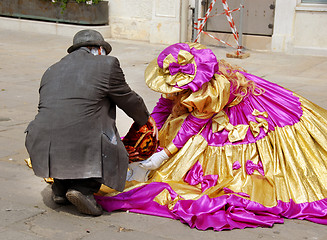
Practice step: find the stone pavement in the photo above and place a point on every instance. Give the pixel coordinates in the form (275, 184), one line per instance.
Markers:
(26, 210)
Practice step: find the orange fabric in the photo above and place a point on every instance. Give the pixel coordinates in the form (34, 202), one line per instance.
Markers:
(140, 143)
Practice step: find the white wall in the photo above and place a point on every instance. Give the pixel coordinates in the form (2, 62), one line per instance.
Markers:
(300, 28)
(130, 19)
(283, 25)
(310, 30)
(155, 21)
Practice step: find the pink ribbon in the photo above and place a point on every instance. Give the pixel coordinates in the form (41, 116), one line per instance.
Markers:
(227, 190)
(174, 68)
(236, 165)
(195, 176)
(250, 167)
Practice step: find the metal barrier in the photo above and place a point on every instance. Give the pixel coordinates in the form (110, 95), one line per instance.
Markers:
(237, 35)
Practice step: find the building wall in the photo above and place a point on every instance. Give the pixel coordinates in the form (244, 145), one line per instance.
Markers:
(155, 21)
(300, 28)
(310, 30)
(283, 25)
(130, 19)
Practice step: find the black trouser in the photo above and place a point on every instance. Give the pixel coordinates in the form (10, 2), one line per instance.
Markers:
(86, 186)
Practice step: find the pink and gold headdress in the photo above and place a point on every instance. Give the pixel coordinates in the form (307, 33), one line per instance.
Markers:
(181, 66)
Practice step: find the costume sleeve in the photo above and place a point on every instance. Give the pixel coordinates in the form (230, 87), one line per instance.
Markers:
(124, 97)
(161, 111)
(203, 104)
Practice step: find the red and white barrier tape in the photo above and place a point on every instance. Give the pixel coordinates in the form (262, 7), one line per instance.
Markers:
(231, 23)
(217, 39)
(218, 14)
(206, 16)
(230, 20)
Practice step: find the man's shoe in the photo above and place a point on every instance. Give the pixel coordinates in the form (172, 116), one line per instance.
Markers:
(85, 204)
(61, 200)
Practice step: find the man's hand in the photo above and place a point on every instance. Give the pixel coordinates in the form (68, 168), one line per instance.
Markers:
(154, 126)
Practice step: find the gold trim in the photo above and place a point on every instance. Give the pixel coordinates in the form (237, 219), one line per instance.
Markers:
(172, 148)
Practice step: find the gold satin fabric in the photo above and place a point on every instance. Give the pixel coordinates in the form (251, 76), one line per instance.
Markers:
(29, 164)
(221, 122)
(294, 160)
(258, 113)
(255, 126)
(154, 78)
(210, 99)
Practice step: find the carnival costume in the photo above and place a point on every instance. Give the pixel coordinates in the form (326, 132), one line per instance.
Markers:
(237, 161)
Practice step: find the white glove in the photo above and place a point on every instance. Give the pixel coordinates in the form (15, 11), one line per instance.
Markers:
(154, 161)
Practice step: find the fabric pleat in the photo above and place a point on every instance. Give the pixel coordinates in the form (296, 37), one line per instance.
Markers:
(257, 181)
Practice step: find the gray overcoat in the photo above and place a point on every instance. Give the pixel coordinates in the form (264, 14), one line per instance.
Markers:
(74, 134)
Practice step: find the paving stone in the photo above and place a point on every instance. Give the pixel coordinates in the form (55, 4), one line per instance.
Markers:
(14, 235)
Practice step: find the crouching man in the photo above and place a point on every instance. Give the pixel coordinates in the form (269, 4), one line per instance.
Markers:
(73, 138)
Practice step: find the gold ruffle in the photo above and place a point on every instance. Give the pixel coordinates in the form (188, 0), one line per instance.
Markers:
(170, 129)
(163, 198)
(202, 104)
(210, 99)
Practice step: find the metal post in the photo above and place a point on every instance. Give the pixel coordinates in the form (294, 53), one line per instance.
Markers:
(239, 53)
(240, 29)
(196, 16)
(184, 15)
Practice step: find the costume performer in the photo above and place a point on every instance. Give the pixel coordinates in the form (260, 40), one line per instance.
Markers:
(73, 138)
(244, 152)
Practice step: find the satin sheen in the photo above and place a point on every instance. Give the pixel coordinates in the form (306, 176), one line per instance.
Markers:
(277, 169)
